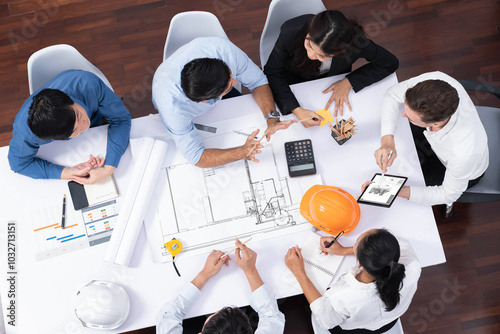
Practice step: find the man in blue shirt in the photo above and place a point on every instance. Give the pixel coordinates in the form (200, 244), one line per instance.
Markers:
(63, 108)
(193, 79)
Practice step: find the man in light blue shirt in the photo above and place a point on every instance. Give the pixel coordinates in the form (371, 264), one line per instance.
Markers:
(63, 108)
(228, 319)
(193, 79)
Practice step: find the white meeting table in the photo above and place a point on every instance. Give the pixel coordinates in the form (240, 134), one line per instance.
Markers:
(45, 289)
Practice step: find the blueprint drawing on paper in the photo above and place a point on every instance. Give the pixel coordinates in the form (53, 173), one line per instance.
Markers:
(206, 207)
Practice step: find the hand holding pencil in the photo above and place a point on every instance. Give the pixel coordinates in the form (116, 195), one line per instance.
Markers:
(245, 257)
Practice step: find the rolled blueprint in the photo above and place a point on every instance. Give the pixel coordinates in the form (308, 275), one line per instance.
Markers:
(136, 201)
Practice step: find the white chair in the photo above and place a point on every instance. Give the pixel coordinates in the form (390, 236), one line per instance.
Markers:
(184, 27)
(46, 63)
(396, 329)
(279, 12)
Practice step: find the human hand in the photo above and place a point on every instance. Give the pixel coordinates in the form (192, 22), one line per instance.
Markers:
(95, 162)
(365, 185)
(212, 267)
(336, 248)
(251, 147)
(94, 175)
(386, 154)
(245, 257)
(340, 95)
(302, 113)
(214, 263)
(294, 261)
(273, 127)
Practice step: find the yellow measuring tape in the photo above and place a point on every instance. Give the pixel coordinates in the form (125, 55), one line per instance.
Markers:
(174, 247)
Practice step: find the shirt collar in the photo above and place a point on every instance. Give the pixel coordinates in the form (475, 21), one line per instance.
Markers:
(447, 128)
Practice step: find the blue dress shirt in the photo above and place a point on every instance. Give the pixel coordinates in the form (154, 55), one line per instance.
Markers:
(99, 102)
(176, 109)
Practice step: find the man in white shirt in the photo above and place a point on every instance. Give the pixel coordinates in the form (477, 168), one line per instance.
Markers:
(458, 153)
(229, 319)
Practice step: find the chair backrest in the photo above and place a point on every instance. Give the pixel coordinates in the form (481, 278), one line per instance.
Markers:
(396, 329)
(279, 12)
(490, 182)
(186, 26)
(488, 188)
(46, 63)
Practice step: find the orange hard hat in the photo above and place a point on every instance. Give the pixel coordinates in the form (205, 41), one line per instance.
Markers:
(330, 209)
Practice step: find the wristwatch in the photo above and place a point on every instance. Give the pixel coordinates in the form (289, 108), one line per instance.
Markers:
(273, 114)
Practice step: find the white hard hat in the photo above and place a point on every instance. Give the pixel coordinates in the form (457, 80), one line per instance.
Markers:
(101, 305)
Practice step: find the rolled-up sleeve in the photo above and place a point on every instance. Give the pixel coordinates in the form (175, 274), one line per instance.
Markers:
(271, 320)
(247, 72)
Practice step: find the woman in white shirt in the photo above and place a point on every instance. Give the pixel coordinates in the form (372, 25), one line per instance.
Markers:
(368, 298)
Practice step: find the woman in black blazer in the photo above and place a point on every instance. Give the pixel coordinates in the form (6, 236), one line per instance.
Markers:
(303, 52)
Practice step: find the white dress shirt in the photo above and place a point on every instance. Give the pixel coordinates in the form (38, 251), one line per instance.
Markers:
(352, 304)
(271, 320)
(176, 109)
(461, 145)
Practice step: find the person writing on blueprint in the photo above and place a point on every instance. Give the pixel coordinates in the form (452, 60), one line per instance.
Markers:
(229, 319)
(450, 139)
(64, 108)
(370, 297)
(194, 79)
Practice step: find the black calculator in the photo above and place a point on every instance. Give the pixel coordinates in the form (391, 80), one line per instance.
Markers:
(300, 157)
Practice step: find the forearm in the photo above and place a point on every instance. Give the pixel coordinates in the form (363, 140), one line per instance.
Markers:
(387, 140)
(254, 279)
(264, 99)
(405, 192)
(200, 280)
(308, 287)
(215, 157)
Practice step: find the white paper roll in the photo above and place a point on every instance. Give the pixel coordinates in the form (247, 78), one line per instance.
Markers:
(136, 201)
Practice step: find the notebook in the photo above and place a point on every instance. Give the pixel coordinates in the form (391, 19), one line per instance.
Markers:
(320, 268)
(92, 194)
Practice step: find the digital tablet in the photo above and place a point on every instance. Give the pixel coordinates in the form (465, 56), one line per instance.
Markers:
(383, 190)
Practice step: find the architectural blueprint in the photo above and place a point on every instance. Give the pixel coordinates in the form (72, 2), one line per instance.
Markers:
(206, 207)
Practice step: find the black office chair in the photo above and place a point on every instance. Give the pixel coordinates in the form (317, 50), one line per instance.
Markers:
(488, 188)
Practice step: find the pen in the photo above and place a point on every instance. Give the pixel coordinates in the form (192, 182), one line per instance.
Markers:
(333, 241)
(63, 220)
(243, 134)
(234, 249)
(383, 174)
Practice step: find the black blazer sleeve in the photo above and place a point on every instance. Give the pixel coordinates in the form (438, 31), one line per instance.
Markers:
(277, 68)
(381, 63)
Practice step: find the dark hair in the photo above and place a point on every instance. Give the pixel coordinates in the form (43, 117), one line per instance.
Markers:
(332, 32)
(433, 100)
(51, 115)
(229, 320)
(205, 79)
(378, 253)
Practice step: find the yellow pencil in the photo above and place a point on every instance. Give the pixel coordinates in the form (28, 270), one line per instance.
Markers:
(232, 250)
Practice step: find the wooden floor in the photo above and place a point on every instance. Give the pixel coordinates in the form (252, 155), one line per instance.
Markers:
(125, 40)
